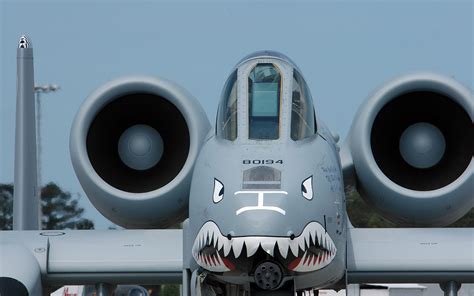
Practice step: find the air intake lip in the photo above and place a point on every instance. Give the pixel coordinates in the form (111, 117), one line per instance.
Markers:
(133, 196)
(434, 195)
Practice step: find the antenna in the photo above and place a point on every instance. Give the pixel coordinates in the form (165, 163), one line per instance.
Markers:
(26, 207)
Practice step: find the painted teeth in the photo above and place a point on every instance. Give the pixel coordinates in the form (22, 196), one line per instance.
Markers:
(237, 245)
(283, 246)
(210, 236)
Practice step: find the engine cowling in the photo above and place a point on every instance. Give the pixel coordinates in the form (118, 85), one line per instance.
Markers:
(133, 146)
(412, 146)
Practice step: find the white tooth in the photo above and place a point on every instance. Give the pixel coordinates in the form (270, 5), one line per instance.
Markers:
(198, 241)
(216, 237)
(211, 263)
(208, 260)
(227, 247)
(220, 242)
(310, 260)
(306, 238)
(237, 244)
(321, 229)
(211, 237)
(294, 247)
(203, 239)
(320, 238)
(215, 262)
(313, 236)
(221, 263)
(268, 245)
(314, 228)
(315, 260)
(301, 240)
(252, 244)
(302, 259)
(283, 245)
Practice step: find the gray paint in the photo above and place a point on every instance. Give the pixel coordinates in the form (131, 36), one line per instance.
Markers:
(26, 196)
(87, 257)
(18, 262)
(291, 212)
(116, 251)
(416, 251)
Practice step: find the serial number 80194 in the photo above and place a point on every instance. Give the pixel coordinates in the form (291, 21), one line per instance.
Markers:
(262, 161)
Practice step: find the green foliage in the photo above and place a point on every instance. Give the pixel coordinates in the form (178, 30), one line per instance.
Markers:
(363, 215)
(169, 290)
(60, 210)
(466, 221)
(6, 206)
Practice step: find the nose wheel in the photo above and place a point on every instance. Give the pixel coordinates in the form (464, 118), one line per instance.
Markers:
(268, 275)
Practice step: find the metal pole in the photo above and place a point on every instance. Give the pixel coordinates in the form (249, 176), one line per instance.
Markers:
(25, 197)
(38, 136)
(38, 91)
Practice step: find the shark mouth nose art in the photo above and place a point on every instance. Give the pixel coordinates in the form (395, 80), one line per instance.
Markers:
(313, 249)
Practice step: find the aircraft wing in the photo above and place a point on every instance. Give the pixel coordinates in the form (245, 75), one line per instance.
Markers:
(378, 255)
(91, 256)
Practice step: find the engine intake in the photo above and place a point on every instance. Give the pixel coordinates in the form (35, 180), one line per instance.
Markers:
(416, 110)
(412, 148)
(133, 146)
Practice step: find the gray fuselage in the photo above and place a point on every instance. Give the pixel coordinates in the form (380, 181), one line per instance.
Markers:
(266, 196)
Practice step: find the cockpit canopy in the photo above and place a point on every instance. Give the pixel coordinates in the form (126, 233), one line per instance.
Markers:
(257, 95)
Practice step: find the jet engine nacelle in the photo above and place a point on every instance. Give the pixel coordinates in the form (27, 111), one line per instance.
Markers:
(412, 147)
(133, 146)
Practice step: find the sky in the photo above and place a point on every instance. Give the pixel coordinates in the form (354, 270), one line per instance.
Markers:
(345, 49)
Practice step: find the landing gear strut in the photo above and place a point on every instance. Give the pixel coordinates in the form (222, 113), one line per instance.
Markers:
(451, 288)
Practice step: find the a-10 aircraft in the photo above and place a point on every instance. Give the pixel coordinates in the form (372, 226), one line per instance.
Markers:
(261, 194)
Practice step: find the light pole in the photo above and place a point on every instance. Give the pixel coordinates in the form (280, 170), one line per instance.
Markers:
(39, 89)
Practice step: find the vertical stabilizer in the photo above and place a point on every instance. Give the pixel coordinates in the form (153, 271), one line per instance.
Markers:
(25, 198)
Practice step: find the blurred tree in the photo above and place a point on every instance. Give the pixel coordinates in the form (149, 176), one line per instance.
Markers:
(6, 206)
(169, 290)
(60, 210)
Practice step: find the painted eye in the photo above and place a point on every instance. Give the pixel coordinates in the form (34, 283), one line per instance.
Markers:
(218, 193)
(307, 188)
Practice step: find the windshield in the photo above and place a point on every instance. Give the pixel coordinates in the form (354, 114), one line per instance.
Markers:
(303, 123)
(264, 102)
(227, 115)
